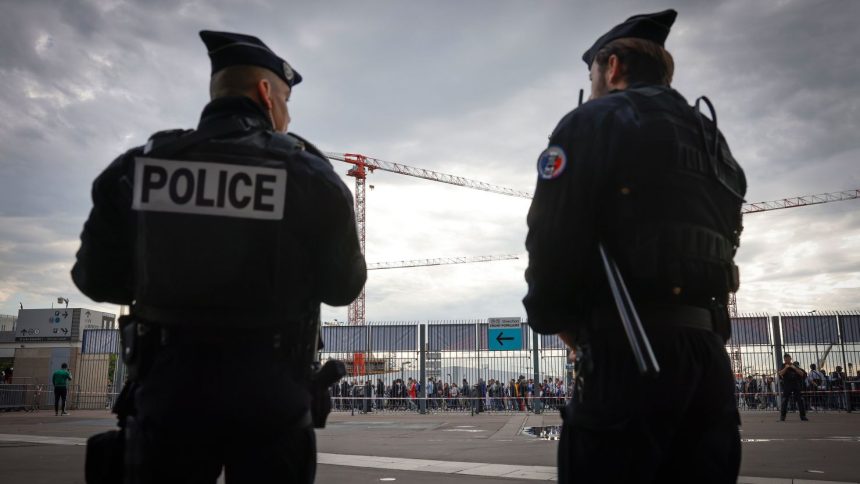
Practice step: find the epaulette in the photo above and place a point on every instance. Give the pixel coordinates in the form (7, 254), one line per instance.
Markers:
(163, 137)
(292, 141)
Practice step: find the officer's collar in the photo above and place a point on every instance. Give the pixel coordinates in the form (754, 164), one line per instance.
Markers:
(639, 85)
(238, 106)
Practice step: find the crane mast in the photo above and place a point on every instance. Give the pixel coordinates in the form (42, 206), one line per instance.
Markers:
(355, 311)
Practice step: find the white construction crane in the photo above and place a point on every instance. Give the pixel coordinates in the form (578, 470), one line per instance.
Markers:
(437, 262)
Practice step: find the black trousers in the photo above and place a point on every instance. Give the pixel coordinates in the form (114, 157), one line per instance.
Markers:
(201, 408)
(60, 397)
(680, 427)
(792, 392)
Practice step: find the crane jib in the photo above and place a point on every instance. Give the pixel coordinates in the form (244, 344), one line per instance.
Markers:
(363, 165)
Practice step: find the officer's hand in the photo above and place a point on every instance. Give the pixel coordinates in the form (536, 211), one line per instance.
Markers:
(331, 372)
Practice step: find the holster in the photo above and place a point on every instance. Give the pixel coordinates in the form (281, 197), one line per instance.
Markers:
(320, 377)
(720, 319)
(139, 342)
(320, 382)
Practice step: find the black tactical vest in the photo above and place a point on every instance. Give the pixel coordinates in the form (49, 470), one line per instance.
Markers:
(213, 228)
(673, 212)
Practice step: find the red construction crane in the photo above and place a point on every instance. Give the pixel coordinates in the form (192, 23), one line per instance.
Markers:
(363, 165)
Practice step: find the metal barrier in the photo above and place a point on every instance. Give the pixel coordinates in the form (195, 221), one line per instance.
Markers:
(26, 397)
(438, 354)
(453, 404)
(31, 397)
(13, 397)
(451, 361)
(813, 400)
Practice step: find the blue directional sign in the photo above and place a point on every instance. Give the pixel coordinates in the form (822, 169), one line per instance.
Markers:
(504, 334)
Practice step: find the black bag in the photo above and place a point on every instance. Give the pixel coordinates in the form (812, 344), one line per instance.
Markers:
(104, 461)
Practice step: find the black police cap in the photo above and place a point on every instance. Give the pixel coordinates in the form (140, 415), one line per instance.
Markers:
(650, 26)
(228, 49)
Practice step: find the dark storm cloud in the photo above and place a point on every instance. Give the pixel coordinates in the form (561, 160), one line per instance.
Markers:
(778, 72)
(469, 88)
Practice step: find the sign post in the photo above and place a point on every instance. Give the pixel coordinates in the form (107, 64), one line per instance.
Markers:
(504, 334)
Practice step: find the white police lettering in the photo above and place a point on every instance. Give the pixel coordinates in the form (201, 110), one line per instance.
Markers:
(204, 188)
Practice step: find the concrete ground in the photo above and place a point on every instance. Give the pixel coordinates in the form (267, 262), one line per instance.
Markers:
(458, 448)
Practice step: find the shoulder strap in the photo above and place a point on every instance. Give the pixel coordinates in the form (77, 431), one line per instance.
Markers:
(713, 151)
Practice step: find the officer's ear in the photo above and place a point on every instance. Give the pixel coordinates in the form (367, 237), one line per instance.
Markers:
(614, 71)
(264, 91)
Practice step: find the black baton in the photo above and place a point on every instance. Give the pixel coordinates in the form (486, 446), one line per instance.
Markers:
(639, 343)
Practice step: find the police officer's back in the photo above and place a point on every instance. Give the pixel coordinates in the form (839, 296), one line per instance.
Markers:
(224, 240)
(642, 172)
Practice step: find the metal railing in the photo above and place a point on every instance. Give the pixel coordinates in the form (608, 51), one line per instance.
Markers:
(453, 404)
(35, 397)
(846, 399)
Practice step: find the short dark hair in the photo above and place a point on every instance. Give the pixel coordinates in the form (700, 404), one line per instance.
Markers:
(642, 60)
(64, 366)
(239, 80)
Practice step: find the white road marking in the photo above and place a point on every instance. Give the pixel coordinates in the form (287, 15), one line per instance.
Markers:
(534, 473)
(43, 439)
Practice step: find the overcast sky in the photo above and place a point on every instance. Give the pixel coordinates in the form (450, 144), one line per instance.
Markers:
(467, 88)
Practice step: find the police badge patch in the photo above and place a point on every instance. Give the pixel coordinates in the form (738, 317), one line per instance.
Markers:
(551, 163)
(288, 72)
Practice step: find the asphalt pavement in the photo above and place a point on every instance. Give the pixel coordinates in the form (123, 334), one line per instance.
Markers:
(39, 447)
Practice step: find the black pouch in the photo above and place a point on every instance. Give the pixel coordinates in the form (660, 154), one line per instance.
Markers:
(104, 460)
(721, 320)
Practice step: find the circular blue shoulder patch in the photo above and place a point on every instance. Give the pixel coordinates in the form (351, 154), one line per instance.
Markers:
(551, 163)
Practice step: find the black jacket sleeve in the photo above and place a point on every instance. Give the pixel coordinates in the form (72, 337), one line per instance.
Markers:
(563, 220)
(340, 266)
(103, 270)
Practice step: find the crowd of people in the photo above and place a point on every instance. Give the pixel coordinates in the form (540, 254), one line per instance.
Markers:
(517, 394)
(821, 390)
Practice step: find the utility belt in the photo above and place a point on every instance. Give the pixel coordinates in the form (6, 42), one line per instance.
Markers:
(141, 341)
(657, 317)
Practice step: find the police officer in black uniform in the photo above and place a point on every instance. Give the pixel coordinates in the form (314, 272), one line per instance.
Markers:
(224, 240)
(793, 378)
(639, 170)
